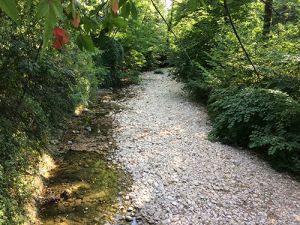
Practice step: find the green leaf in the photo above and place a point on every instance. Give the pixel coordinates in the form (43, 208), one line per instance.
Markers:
(203, 4)
(134, 11)
(49, 25)
(10, 8)
(122, 2)
(89, 24)
(42, 8)
(57, 8)
(192, 4)
(85, 42)
(119, 22)
(98, 8)
(107, 22)
(125, 10)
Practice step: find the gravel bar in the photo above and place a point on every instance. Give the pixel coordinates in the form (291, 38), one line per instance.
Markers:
(180, 177)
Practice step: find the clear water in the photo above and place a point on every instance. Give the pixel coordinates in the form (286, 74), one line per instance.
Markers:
(92, 186)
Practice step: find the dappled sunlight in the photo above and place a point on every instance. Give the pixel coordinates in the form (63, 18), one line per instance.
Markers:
(123, 112)
(79, 109)
(47, 164)
(181, 177)
(201, 135)
(165, 133)
(144, 194)
(177, 162)
(84, 187)
(72, 187)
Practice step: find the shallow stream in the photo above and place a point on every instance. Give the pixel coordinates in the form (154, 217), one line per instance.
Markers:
(85, 187)
(83, 190)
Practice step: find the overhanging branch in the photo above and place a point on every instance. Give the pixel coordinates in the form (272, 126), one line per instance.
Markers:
(227, 12)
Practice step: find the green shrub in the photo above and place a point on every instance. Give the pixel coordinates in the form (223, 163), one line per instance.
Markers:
(130, 77)
(17, 154)
(200, 87)
(259, 119)
(284, 83)
(112, 57)
(197, 37)
(38, 91)
(134, 60)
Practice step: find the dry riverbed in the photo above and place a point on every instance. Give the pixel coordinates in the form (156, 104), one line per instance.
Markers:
(144, 158)
(180, 177)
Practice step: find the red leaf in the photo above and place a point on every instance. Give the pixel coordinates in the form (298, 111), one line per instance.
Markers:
(61, 38)
(59, 31)
(76, 21)
(115, 7)
(57, 44)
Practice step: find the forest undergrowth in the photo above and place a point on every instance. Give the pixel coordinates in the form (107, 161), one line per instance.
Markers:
(241, 58)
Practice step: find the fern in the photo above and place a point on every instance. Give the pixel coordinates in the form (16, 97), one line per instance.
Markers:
(259, 119)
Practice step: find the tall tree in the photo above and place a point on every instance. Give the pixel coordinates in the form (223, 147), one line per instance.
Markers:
(170, 22)
(267, 19)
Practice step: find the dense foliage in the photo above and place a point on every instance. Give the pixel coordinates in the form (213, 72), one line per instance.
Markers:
(242, 59)
(239, 57)
(260, 119)
(37, 91)
(53, 57)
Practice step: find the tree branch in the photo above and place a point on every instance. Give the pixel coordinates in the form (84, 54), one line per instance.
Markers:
(275, 11)
(227, 12)
(170, 29)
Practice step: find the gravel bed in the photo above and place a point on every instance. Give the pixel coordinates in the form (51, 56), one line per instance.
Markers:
(180, 177)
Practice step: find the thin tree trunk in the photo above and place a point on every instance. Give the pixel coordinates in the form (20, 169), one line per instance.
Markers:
(171, 30)
(170, 22)
(267, 19)
(227, 13)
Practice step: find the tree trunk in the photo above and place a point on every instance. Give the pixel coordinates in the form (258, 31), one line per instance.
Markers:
(267, 19)
(170, 23)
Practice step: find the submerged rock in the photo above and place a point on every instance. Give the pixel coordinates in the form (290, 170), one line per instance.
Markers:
(66, 194)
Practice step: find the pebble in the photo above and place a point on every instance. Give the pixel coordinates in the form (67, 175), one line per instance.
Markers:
(54, 142)
(180, 177)
(128, 218)
(89, 129)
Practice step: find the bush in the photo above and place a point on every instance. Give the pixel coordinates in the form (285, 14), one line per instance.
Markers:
(259, 119)
(130, 77)
(112, 58)
(201, 86)
(284, 83)
(134, 60)
(38, 91)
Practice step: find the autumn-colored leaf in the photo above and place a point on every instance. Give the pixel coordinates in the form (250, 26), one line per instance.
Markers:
(76, 21)
(59, 31)
(115, 7)
(61, 38)
(57, 44)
